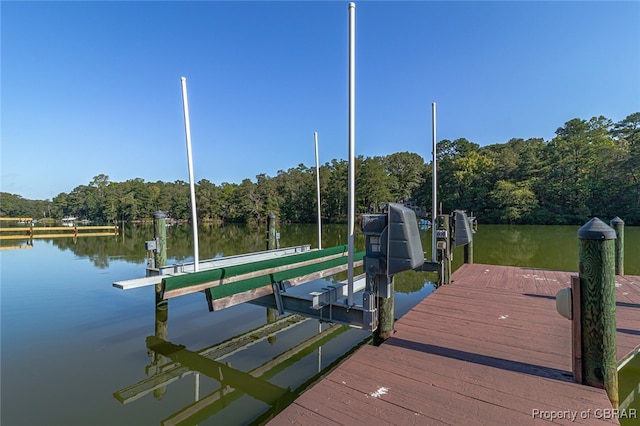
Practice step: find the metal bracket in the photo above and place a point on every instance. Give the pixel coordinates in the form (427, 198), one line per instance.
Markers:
(328, 296)
(442, 234)
(151, 245)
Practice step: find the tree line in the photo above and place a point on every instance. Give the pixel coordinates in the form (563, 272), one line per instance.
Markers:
(590, 168)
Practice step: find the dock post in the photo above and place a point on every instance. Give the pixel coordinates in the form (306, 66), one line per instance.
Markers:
(596, 250)
(160, 253)
(271, 231)
(386, 313)
(272, 314)
(443, 244)
(618, 225)
(468, 252)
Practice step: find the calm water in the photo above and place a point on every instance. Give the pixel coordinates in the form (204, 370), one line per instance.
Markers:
(70, 341)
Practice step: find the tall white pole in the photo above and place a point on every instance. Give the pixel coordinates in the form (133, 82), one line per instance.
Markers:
(194, 216)
(434, 186)
(352, 140)
(315, 139)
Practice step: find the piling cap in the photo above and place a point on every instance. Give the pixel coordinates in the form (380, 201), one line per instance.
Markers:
(616, 221)
(272, 215)
(596, 229)
(159, 215)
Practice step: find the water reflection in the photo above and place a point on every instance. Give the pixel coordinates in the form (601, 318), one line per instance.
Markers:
(232, 394)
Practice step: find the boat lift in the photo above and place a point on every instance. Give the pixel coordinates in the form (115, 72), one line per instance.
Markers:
(291, 280)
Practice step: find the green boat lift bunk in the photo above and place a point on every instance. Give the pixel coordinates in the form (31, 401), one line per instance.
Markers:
(155, 275)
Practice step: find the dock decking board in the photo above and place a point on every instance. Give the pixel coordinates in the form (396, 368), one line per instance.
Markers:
(487, 349)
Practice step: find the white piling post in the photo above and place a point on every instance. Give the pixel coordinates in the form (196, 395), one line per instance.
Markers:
(194, 216)
(352, 137)
(315, 138)
(434, 186)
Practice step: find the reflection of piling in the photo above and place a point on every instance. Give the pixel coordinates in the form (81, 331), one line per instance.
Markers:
(161, 332)
(618, 225)
(162, 316)
(272, 314)
(598, 307)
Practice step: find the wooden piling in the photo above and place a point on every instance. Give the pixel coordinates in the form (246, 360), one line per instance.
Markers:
(386, 313)
(596, 252)
(160, 234)
(443, 244)
(271, 231)
(468, 252)
(160, 254)
(618, 225)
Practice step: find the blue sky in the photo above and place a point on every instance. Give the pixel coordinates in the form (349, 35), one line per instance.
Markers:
(94, 87)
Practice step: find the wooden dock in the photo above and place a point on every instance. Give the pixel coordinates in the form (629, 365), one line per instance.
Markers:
(47, 232)
(488, 349)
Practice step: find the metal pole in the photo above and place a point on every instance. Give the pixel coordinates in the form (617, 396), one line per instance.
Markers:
(315, 138)
(434, 187)
(194, 216)
(319, 348)
(352, 138)
(197, 385)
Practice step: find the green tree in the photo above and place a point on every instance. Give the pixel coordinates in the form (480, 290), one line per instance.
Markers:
(296, 192)
(207, 199)
(336, 191)
(576, 163)
(517, 162)
(406, 171)
(626, 191)
(463, 175)
(180, 204)
(515, 201)
(270, 198)
(373, 184)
